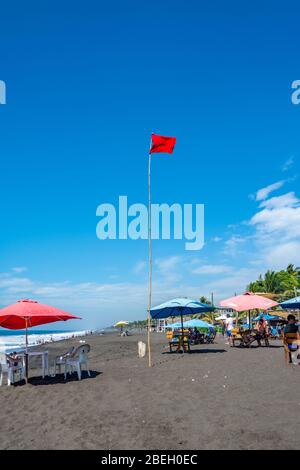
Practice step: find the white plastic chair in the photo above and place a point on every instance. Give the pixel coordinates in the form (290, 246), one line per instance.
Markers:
(11, 366)
(77, 359)
(60, 361)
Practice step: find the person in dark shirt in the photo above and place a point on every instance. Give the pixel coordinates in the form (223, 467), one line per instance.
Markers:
(291, 349)
(291, 326)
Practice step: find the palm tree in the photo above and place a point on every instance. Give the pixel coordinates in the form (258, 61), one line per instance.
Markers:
(271, 281)
(204, 300)
(294, 273)
(257, 286)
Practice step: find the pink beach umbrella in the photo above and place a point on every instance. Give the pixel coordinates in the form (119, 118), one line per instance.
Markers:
(248, 301)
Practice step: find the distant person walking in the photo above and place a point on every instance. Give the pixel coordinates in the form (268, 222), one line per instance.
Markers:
(223, 326)
(228, 326)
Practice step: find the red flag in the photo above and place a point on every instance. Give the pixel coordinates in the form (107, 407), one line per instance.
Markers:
(160, 143)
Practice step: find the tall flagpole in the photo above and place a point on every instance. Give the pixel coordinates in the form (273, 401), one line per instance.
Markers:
(150, 258)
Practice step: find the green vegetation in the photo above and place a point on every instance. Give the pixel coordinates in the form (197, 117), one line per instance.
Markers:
(139, 324)
(282, 284)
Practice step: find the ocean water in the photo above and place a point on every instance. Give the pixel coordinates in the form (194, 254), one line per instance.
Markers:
(12, 340)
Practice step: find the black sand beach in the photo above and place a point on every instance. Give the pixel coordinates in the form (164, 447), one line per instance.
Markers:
(215, 398)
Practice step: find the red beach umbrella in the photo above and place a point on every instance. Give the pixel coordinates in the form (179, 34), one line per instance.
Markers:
(27, 313)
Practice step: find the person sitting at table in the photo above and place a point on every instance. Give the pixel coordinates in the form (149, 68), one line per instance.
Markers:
(197, 335)
(261, 331)
(191, 334)
(291, 349)
(14, 356)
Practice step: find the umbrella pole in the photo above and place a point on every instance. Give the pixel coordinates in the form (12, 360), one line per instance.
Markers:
(150, 259)
(182, 334)
(26, 353)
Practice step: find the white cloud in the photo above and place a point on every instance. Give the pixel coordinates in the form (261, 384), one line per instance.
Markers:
(263, 193)
(99, 304)
(236, 282)
(279, 217)
(233, 244)
(270, 239)
(140, 267)
(286, 200)
(19, 269)
(288, 163)
(281, 255)
(216, 239)
(212, 269)
(170, 268)
(15, 285)
(277, 231)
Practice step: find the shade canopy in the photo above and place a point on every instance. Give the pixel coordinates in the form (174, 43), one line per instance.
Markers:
(175, 326)
(29, 313)
(221, 317)
(121, 323)
(248, 301)
(291, 303)
(197, 323)
(179, 306)
(266, 316)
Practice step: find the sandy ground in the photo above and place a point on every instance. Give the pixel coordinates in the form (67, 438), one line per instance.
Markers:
(217, 397)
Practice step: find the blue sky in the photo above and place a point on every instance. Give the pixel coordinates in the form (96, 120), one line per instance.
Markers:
(87, 83)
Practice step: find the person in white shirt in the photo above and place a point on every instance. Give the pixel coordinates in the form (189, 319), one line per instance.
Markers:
(228, 325)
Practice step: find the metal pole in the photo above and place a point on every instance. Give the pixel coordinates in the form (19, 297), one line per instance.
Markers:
(26, 351)
(150, 259)
(182, 334)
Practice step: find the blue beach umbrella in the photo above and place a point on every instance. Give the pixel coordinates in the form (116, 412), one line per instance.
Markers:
(291, 303)
(267, 317)
(180, 306)
(197, 323)
(174, 326)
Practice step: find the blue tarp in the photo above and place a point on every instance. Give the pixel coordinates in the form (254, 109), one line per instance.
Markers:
(291, 303)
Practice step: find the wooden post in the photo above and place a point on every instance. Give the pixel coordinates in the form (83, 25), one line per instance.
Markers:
(150, 259)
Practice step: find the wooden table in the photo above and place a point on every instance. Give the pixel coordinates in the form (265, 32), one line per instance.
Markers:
(182, 343)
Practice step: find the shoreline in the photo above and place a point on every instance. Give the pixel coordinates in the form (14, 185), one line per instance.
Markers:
(16, 342)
